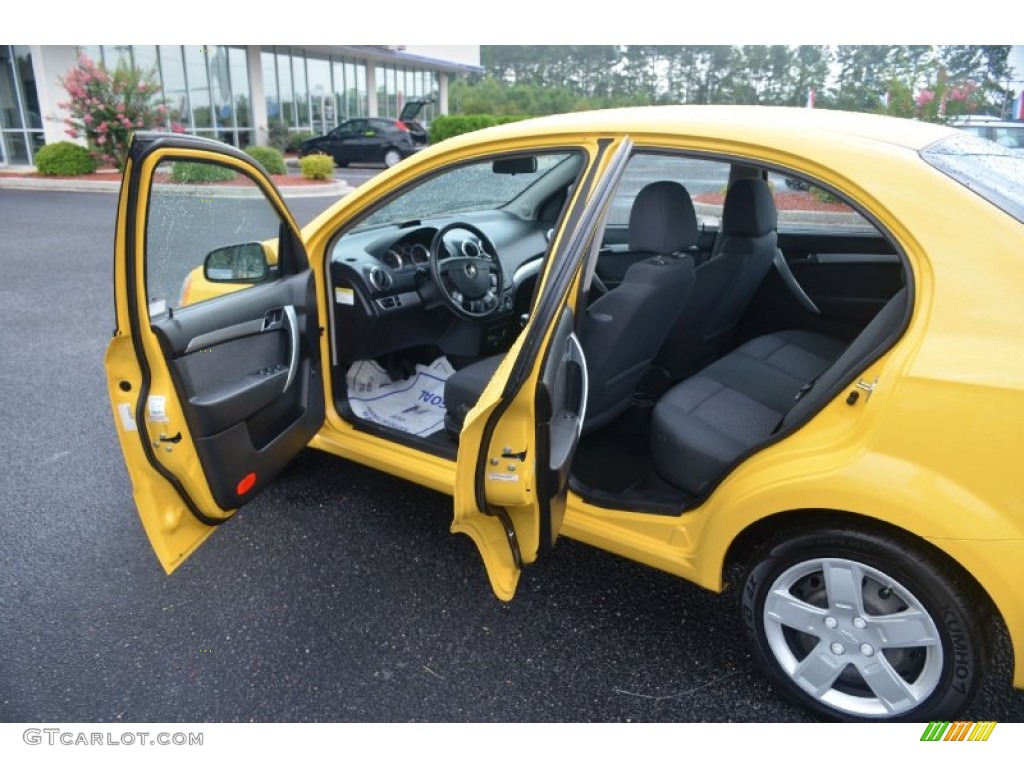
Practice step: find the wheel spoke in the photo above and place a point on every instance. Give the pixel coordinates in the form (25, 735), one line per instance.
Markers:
(895, 693)
(782, 607)
(910, 629)
(844, 583)
(819, 670)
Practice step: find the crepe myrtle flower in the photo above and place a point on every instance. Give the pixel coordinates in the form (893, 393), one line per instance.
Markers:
(105, 106)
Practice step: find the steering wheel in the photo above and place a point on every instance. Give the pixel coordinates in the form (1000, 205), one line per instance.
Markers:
(469, 280)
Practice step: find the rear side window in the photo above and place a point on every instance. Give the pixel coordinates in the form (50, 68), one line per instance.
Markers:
(984, 167)
(705, 180)
(802, 207)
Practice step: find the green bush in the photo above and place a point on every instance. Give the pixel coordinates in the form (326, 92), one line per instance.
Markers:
(823, 196)
(317, 166)
(269, 158)
(296, 138)
(64, 158)
(200, 173)
(446, 126)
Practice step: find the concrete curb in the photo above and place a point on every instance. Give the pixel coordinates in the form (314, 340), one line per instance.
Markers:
(332, 189)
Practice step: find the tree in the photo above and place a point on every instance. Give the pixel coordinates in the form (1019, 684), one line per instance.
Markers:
(106, 107)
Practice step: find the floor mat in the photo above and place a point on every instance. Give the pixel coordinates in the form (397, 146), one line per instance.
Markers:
(608, 466)
(414, 405)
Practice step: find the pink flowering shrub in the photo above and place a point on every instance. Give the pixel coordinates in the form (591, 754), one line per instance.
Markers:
(106, 107)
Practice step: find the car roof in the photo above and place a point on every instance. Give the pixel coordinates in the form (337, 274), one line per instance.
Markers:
(780, 127)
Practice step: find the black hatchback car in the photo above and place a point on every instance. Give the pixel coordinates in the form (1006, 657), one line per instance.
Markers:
(372, 139)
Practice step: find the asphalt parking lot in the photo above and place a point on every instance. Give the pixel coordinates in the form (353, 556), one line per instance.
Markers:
(337, 595)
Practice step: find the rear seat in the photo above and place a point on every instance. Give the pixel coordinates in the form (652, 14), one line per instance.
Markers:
(707, 421)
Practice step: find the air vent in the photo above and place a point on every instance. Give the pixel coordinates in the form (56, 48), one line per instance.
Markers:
(379, 279)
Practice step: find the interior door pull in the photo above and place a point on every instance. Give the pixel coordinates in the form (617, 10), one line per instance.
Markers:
(292, 322)
(794, 286)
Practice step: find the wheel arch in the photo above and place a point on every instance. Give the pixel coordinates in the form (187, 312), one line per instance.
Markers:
(801, 632)
(749, 541)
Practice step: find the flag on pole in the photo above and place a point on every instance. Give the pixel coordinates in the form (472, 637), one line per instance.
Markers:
(810, 98)
(1018, 107)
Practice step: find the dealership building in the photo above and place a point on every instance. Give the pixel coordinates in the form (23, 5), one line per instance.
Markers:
(232, 93)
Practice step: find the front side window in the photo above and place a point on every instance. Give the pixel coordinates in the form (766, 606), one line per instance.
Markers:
(210, 231)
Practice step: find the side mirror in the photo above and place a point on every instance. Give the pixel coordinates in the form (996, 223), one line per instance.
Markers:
(239, 263)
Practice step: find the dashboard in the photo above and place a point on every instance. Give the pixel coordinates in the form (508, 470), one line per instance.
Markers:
(385, 298)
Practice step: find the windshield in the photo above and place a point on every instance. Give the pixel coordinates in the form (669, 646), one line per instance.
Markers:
(990, 170)
(474, 187)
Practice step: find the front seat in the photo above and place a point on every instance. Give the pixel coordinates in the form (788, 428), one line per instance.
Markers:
(726, 283)
(622, 330)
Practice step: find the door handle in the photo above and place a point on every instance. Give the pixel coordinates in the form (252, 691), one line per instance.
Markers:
(574, 355)
(285, 317)
(292, 322)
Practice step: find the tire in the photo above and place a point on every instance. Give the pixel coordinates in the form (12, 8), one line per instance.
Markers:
(392, 157)
(852, 594)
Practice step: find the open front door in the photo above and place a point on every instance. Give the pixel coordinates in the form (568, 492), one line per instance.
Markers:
(213, 370)
(517, 444)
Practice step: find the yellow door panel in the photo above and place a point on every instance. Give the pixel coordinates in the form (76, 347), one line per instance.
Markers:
(517, 443)
(212, 392)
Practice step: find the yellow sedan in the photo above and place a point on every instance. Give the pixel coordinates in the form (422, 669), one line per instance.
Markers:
(781, 345)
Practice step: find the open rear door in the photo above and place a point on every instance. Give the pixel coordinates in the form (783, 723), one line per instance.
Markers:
(213, 370)
(517, 444)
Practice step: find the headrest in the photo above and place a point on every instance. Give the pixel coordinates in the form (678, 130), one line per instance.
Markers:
(662, 219)
(749, 209)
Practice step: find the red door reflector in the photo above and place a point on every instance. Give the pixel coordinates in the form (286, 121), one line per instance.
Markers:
(245, 484)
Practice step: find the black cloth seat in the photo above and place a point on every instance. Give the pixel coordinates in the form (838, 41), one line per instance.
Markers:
(622, 330)
(464, 388)
(706, 422)
(726, 283)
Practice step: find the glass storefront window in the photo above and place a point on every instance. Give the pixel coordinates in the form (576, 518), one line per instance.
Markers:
(15, 150)
(324, 113)
(172, 75)
(113, 54)
(301, 93)
(338, 79)
(198, 86)
(21, 123)
(220, 88)
(93, 52)
(239, 75)
(10, 106)
(270, 90)
(361, 106)
(27, 81)
(145, 58)
(284, 88)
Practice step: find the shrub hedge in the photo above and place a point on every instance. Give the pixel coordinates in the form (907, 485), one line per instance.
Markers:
(295, 138)
(446, 126)
(317, 166)
(269, 158)
(64, 158)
